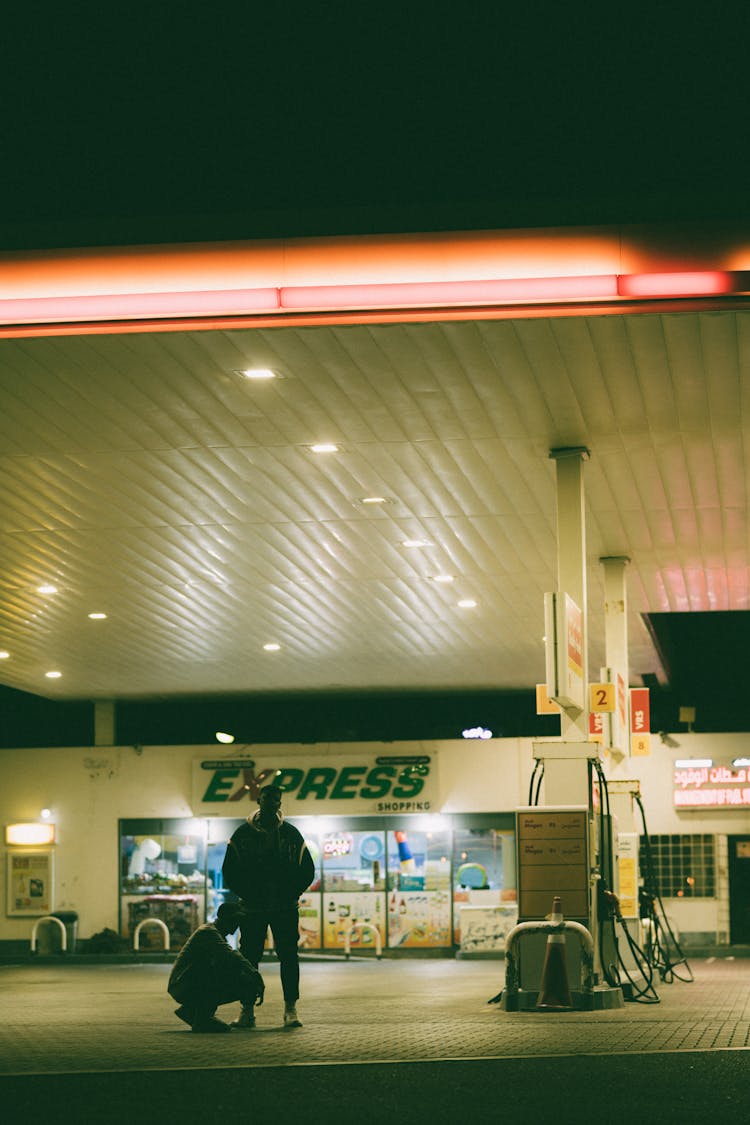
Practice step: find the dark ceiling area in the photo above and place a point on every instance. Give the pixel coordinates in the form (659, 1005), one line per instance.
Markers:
(704, 655)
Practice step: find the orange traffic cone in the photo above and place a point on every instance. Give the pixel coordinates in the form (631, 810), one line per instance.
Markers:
(554, 991)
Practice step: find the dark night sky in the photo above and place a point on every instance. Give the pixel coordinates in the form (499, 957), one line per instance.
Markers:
(133, 124)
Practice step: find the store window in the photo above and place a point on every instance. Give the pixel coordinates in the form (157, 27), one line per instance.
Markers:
(679, 866)
(353, 865)
(419, 901)
(388, 882)
(484, 891)
(163, 876)
(310, 914)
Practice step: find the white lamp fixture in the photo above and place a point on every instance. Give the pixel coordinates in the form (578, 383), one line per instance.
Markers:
(29, 834)
(223, 736)
(259, 373)
(324, 447)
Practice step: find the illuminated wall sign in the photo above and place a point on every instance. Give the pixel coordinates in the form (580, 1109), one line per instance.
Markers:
(711, 786)
(331, 785)
(338, 844)
(29, 834)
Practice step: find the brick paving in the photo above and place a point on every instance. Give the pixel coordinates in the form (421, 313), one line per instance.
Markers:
(74, 1018)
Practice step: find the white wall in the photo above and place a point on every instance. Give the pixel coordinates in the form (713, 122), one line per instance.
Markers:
(90, 788)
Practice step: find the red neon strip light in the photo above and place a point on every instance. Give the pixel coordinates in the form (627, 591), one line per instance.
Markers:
(132, 306)
(445, 298)
(432, 293)
(704, 283)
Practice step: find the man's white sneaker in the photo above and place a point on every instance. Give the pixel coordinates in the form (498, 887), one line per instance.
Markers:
(245, 1021)
(291, 1019)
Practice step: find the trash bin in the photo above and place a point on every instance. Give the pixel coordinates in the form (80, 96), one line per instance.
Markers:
(49, 938)
(69, 919)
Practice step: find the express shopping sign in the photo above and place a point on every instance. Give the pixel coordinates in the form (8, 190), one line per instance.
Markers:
(387, 784)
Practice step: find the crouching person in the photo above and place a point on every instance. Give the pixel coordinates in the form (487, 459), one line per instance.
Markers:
(208, 973)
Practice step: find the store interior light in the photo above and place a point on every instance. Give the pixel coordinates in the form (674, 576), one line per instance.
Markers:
(30, 834)
(693, 763)
(740, 762)
(223, 736)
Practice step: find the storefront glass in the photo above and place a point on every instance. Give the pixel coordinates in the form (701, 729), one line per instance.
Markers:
(483, 888)
(391, 883)
(419, 905)
(163, 876)
(310, 914)
(353, 888)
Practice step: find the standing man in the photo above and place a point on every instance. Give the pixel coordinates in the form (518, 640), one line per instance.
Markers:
(269, 866)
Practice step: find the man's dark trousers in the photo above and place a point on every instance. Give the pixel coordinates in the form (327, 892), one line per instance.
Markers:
(285, 930)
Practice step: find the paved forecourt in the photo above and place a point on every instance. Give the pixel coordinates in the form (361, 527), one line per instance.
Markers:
(92, 1018)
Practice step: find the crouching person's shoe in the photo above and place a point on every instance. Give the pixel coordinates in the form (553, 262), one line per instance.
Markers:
(210, 1026)
(245, 1021)
(291, 1019)
(184, 1014)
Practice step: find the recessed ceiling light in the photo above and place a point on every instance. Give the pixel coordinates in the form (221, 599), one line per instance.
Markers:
(222, 736)
(415, 543)
(97, 616)
(374, 500)
(259, 373)
(46, 589)
(324, 447)
(53, 675)
(466, 603)
(443, 578)
(272, 647)
(4, 655)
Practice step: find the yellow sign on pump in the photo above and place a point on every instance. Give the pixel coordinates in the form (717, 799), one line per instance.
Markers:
(601, 697)
(545, 705)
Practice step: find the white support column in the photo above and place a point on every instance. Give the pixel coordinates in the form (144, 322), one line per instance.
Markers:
(571, 564)
(616, 650)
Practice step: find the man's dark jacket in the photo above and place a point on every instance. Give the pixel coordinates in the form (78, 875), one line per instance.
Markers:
(268, 869)
(207, 965)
